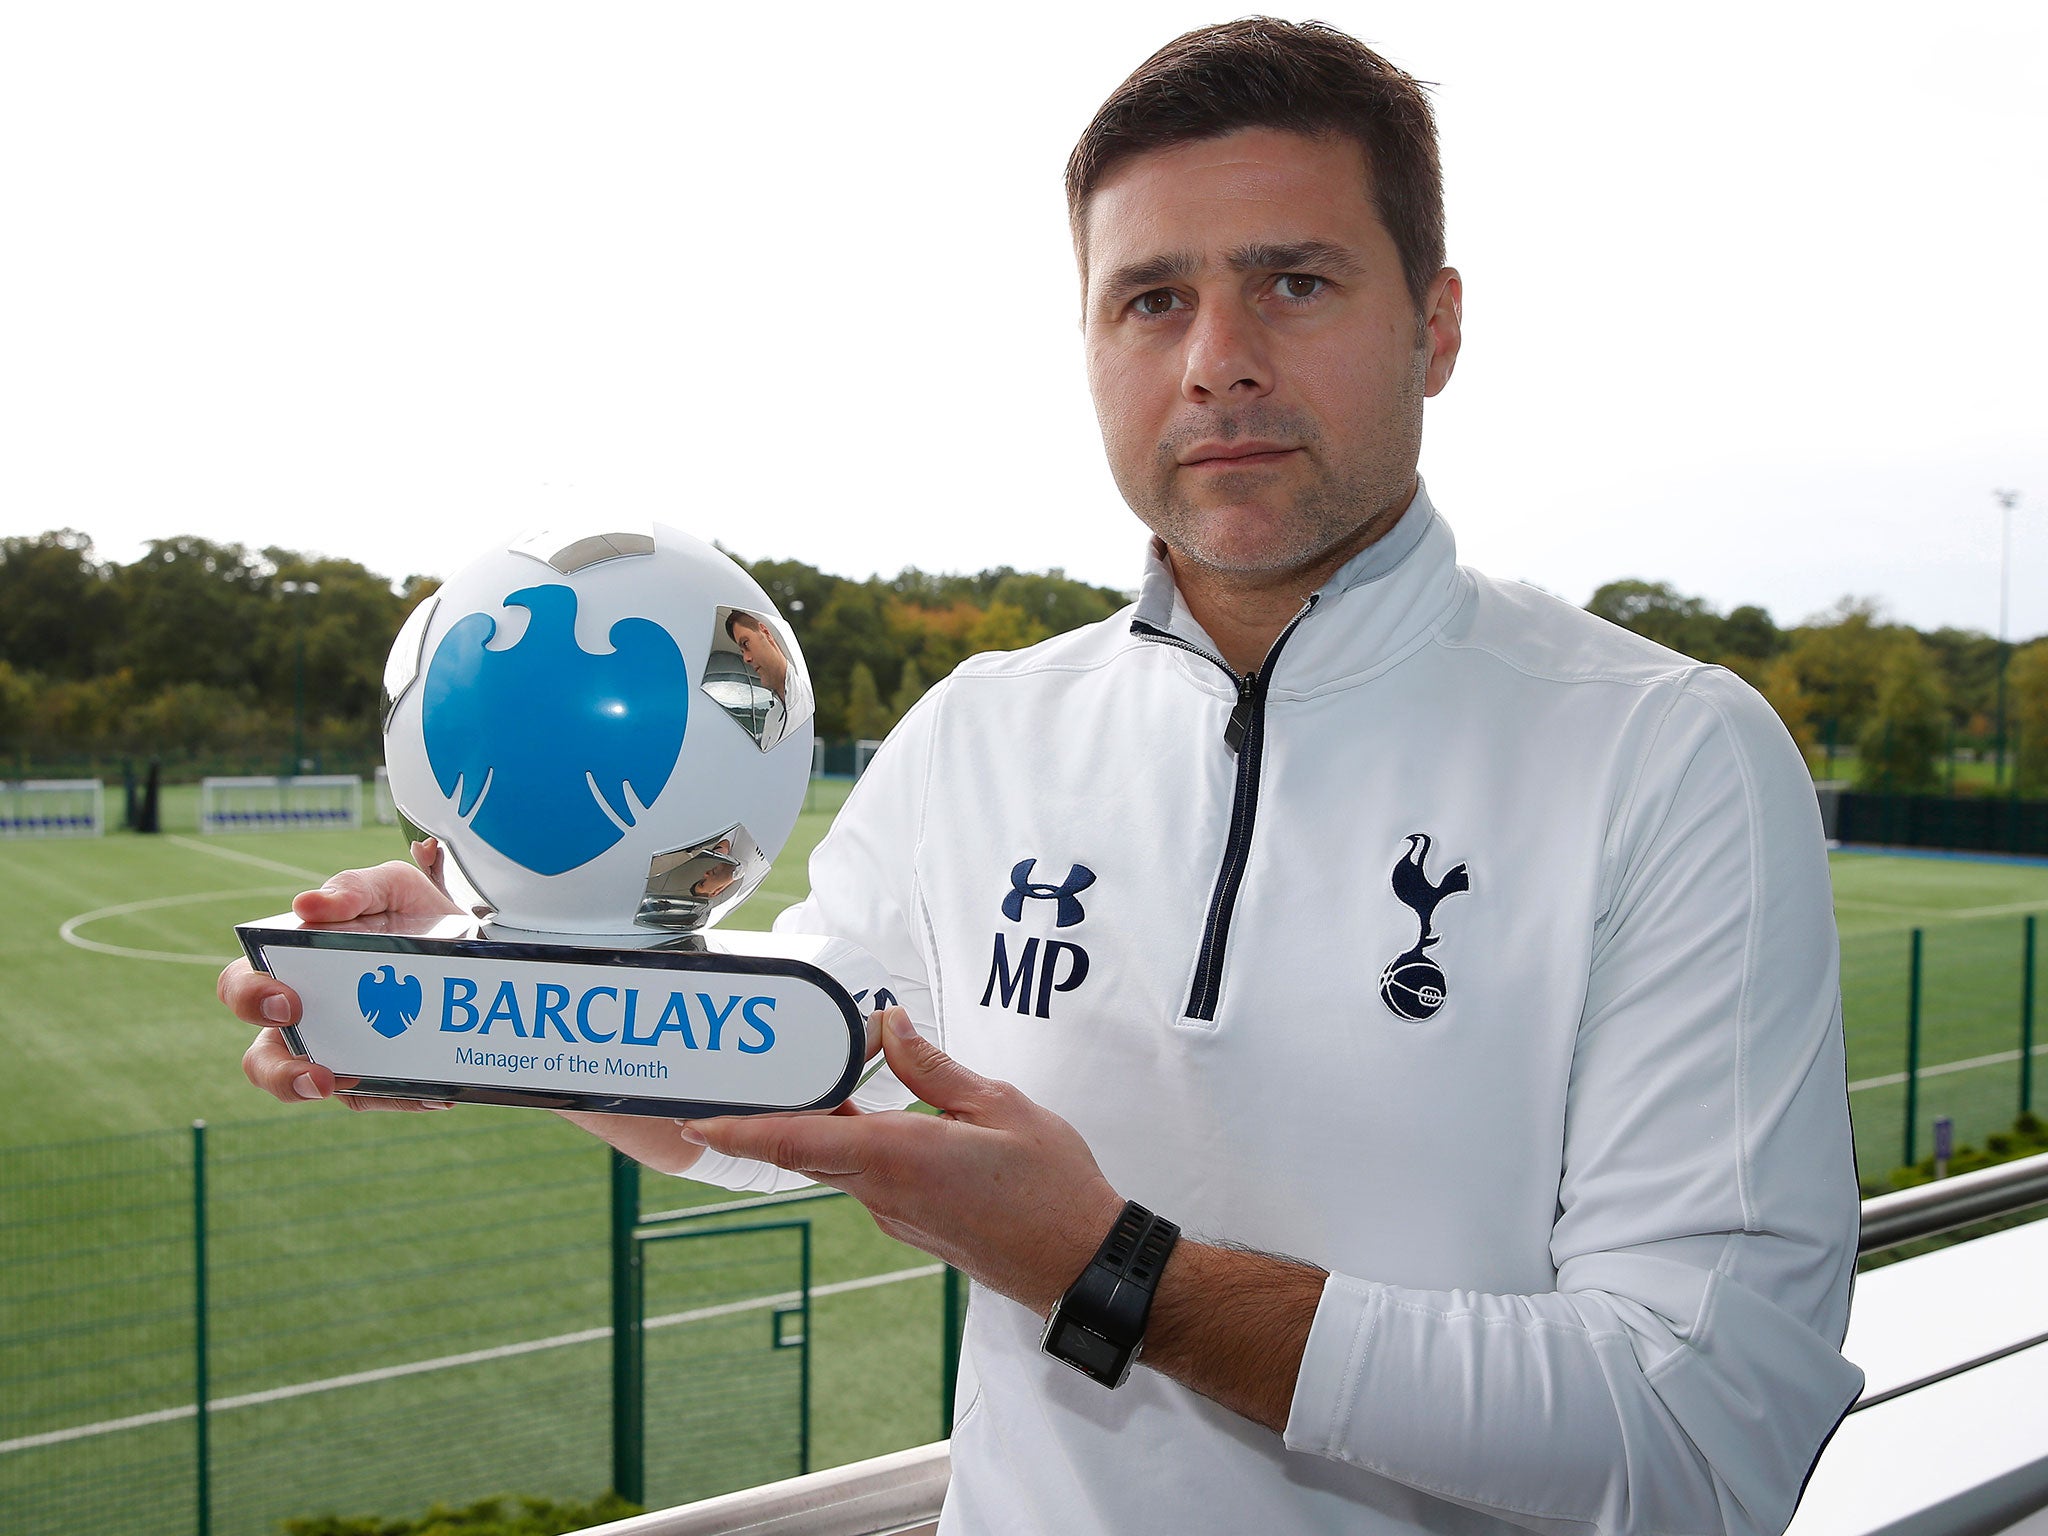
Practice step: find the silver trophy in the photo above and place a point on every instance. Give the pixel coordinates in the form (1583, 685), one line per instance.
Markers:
(609, 735)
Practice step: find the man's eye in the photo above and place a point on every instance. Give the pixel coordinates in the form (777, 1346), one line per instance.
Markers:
(1158, 302)
(1298, 285)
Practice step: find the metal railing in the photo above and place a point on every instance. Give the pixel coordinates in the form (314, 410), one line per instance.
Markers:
(895, 1495)
(900, 1495)
(1946, 1204)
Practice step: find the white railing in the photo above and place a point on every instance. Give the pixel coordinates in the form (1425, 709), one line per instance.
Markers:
(1950, 1436)
(897, 1495)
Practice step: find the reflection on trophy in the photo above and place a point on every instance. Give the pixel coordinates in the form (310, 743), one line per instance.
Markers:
(764, 692)
(546, 720)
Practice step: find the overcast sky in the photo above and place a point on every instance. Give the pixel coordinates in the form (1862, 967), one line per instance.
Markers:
(1754, 294)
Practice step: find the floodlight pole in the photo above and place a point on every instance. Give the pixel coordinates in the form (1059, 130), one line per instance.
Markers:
(309, 589)
(2005, 500)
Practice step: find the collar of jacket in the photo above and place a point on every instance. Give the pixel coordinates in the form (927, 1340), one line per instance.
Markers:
(1380, 605)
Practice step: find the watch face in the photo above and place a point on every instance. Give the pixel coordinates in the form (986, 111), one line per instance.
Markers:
(1090, 1351)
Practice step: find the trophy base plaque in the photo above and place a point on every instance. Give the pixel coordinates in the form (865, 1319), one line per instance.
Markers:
(714, 1023)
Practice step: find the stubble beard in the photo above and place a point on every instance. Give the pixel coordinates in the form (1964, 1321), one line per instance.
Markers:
(1342, 508)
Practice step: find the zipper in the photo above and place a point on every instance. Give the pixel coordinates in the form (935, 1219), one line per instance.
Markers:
(1244, 735)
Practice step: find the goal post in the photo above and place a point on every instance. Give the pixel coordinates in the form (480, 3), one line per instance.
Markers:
(53, 808)
(863, 754)
(298, 802)
(383, 807)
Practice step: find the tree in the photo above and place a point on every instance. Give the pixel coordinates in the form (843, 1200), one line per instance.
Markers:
(1902, 744)
(1778, 682)
(347, 628)
(194, 611)
(1054, 602)
(2026, 699)
(908, 691)
(1005, 627)
(1839, 657)
(55, 605)
(1749, 632)
(17, 699)
(1656, 611)
(84, 715)
(853, 630)
(867, 717)
(1968, 659)
(800, 591)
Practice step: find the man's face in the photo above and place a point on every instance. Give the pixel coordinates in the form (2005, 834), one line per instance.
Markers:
(1256, 360)
(759, 651)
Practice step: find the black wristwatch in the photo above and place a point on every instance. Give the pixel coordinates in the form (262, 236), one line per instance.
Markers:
(1098, 1327)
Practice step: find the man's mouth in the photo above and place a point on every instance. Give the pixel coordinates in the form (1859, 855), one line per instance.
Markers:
(1250, 454)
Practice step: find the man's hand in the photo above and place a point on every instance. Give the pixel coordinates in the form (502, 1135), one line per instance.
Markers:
(1007, 1191)
(995, 1185)
(254, 998)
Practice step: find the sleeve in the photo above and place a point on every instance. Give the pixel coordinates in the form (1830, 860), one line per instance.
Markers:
(864, 889)
(1686, 1371)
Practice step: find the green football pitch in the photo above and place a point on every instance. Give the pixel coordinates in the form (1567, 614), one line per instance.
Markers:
(351, 1309)
(109, 948)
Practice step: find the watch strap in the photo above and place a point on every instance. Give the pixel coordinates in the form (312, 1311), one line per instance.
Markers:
(1098, 1326)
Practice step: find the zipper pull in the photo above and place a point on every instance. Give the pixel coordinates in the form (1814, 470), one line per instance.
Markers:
(1240, 714)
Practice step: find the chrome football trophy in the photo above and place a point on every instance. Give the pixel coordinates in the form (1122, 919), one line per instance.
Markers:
(608, 734)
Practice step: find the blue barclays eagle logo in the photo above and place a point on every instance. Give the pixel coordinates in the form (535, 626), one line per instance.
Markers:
(544, 738)
(388, 1004)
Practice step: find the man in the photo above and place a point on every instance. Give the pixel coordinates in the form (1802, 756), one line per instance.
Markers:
(763, 656)
(1456, 970)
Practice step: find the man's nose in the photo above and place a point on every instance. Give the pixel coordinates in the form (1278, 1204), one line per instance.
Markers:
(1225, 356)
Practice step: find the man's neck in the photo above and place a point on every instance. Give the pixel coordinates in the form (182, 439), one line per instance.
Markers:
(1242, 619)
(1244, 612)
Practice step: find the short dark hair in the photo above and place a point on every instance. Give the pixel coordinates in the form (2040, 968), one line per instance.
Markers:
(1304, 77)
(736, 615)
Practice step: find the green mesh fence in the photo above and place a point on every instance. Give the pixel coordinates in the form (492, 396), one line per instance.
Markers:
(405, 1317)
(726, 1322)
(1973, 1046)
(97, 1364)
(396, 1310)
(404, 1309)
(1874, 1017)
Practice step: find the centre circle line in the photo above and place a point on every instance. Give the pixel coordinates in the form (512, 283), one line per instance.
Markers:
(68, 929)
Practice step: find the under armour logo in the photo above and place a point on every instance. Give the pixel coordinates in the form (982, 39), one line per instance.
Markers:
(1067, 893)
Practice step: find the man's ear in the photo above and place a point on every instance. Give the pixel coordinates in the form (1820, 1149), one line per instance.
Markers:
(1443, 320)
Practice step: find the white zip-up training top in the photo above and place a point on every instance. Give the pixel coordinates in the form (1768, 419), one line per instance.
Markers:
(1580, 1169)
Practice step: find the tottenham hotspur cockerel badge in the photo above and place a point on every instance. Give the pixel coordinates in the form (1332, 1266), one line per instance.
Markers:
(1413, 985)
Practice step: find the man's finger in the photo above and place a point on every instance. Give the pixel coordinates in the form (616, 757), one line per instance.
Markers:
(350, 894)
(256, 998)
(820, 1145)
(392, 887)
(294, 1080)
(285, 1077)
(927, 1071)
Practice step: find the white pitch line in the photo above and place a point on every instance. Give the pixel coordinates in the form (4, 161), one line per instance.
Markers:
(450, 1362)
(240, 857)
(1943, 914)
(68, 929)
(2011, 908)
(1942, 1069)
